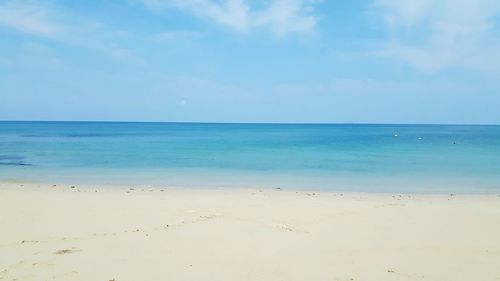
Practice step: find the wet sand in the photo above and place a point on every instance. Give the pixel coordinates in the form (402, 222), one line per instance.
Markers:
(63, 232)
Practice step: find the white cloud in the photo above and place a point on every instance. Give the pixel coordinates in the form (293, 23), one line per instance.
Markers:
(280, 16)
(433, 35)
(31, 19)
(403, 13)
(47, 21)
(286, 16)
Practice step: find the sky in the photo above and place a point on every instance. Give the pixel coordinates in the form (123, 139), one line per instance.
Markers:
(297, 61)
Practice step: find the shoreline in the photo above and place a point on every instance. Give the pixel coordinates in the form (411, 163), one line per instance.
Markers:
(157, 187)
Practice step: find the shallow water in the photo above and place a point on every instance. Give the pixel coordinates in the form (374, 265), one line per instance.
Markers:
(382, 158)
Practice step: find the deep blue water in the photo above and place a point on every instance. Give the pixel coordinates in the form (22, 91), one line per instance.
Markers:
(403, 158)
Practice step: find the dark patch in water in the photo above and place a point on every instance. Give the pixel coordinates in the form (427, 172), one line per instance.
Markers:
(11, 157)
(15, 164)
(34, 136)
(13, 160)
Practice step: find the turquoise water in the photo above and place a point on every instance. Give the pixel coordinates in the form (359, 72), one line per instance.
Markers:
(380, 158)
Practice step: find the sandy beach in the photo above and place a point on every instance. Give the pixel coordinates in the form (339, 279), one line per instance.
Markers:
(62, 232)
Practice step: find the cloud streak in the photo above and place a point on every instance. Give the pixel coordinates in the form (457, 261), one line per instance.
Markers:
(280, 16)
(46, 21)
(36, 20)
(436, 35)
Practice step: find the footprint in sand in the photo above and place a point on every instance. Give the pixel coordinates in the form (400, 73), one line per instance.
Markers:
(207, 217)
(66, 251)
(283, 227)
(29, 241)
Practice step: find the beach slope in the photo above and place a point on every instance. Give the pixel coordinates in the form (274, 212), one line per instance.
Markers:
(150, 233)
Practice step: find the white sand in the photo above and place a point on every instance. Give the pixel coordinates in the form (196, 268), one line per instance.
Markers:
(59, 233)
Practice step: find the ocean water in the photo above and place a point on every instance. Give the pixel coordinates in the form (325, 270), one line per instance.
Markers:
(340, 157)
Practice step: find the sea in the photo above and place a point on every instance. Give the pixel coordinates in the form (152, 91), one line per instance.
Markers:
(332, 157)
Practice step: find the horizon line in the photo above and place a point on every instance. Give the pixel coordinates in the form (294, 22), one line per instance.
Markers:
(250, 123)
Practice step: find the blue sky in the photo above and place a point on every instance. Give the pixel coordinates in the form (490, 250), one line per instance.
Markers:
(367, 61)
